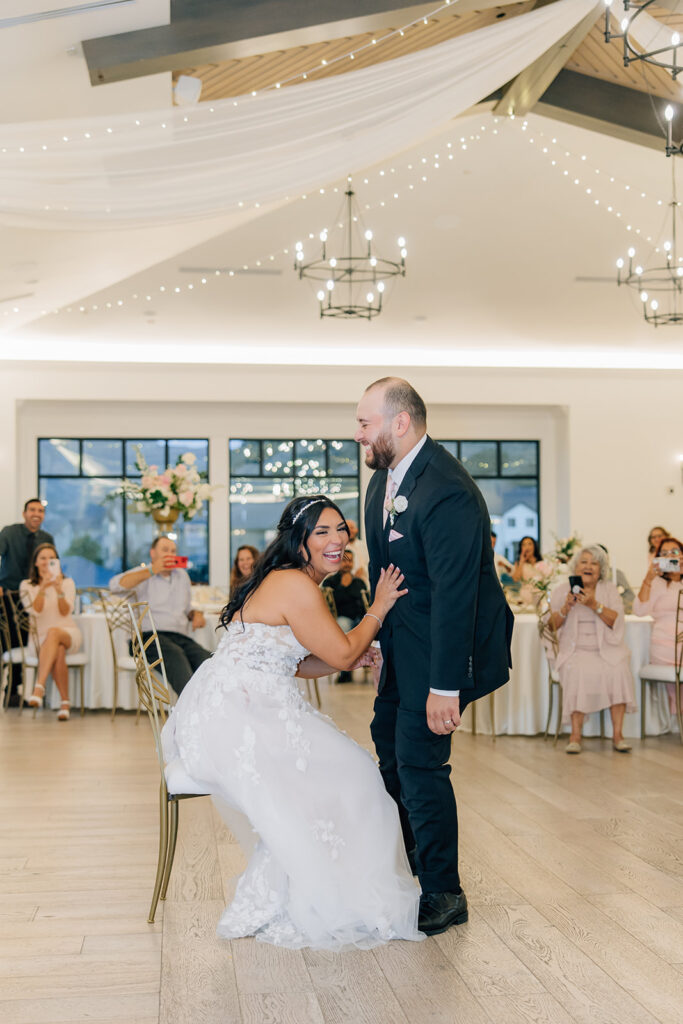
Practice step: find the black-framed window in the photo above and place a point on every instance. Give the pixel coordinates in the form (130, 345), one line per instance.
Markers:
(96, 538)
(266, 473)
(508, 475)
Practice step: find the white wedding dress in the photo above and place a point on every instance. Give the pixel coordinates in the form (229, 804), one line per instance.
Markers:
(328, 867)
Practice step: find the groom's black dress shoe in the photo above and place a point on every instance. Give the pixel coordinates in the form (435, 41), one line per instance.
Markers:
(440, 910)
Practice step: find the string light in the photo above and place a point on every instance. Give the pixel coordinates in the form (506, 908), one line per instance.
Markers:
(548, 148)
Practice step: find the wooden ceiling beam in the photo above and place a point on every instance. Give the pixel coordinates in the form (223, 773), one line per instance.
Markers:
(215, 31)
(520, 96)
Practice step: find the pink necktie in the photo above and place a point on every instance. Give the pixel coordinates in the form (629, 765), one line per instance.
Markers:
(388, 495)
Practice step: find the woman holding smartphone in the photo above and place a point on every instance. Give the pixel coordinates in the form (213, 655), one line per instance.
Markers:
(593, 660)
(658, 597)
(49, 597)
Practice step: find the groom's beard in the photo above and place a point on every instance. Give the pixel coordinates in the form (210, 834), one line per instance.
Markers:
(382, 452)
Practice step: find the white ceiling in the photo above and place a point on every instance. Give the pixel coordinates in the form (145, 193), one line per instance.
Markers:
(496, 238)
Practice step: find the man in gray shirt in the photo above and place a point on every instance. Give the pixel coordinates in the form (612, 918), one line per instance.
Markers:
(168, 592)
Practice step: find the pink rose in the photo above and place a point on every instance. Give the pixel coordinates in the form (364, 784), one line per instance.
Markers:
(185, 497)
(165, 480)
(180, 470)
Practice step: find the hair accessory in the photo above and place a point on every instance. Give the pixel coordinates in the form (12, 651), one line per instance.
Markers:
(301, 511)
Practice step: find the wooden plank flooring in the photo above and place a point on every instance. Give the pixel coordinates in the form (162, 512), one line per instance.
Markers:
(573, 868)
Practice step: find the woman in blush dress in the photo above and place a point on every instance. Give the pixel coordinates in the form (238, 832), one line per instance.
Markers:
(593, 660)
(328, 868)
(658, 597)
(49, 597)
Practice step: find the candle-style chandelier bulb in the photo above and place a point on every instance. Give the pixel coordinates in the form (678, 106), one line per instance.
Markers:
(620, 263)
(632, 252)
(669, 112)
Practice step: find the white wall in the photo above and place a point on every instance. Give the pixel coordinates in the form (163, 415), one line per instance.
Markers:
(609, 441)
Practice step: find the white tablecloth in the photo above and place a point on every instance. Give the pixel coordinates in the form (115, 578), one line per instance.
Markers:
(521, 706)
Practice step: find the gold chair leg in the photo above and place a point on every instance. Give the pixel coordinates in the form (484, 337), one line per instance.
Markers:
(172, 838)
(81, 676)
(642, 709)
(473, 705)
(116, 693)
(677, 684)
(558, 723)
(492, 709)
(602, 725)
(163, 850)
(550, 707)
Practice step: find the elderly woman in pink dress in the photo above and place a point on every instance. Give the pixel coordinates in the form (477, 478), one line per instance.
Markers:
(593, 660)
(658, 597)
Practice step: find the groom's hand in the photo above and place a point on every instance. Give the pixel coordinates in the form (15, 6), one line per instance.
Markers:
(443, 714)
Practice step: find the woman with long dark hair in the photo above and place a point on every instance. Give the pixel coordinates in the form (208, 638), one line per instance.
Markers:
(242, 565)
(50, 597)
(328, 869)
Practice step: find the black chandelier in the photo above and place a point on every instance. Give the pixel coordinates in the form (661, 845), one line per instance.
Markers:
(659, 288)
(666, 56)
(353, 284)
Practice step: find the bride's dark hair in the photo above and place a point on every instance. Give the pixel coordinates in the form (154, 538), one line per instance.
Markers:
(297, 522)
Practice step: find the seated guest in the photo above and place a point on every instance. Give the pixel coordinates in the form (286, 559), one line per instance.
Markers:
(242, 566)
(17, 545)
(348, 597)
(623, 585)
(654, 539)
(168, 592)
(658, 597)
(503, 567)
(524, 570)
(593, 660)
(49, 597)
(360, 551)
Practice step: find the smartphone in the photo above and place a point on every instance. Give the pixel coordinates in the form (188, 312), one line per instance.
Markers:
(666, 564)
(54, 568)
(180, 561)
(575, 584)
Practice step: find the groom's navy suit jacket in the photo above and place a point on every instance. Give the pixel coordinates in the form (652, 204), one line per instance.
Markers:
(452, 630)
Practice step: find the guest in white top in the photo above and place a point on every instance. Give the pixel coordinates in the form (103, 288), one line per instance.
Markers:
(49, 597)
(168, 591)
(593, 660)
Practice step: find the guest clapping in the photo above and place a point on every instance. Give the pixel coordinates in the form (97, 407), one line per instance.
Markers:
(593, 660)
(242, 566)
(658, 597)
(49, 597)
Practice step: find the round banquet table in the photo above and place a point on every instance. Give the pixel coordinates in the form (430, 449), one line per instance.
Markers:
(521, 706)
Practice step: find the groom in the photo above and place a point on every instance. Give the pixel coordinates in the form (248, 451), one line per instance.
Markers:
(444, 644)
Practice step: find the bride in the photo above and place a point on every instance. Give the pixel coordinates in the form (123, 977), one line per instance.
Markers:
(328, 867)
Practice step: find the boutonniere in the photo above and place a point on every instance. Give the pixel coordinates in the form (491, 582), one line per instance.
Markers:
(394, 506)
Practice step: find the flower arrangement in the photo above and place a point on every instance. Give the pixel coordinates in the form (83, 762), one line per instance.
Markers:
(178, 490)
(549, 570)
(565, 547)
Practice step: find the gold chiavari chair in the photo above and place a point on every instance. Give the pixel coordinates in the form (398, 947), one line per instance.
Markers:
(25, 625)
(26, 651)
(551, 645)
(117, 617)
(654, 674)
(12, 654)
(155, 696)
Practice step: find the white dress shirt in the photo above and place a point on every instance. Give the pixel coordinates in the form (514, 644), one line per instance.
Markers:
(397, 474)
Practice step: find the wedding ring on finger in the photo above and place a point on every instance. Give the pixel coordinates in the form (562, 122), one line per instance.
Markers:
(448, 721)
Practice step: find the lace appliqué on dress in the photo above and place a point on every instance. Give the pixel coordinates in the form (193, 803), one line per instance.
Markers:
(246, 757)
(324, 832)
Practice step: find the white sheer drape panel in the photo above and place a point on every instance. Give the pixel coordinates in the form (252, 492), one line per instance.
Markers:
(174, 165)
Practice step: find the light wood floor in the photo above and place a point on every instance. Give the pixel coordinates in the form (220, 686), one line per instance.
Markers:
(572, 867)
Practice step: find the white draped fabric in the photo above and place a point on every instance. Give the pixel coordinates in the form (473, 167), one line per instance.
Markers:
(175, 165)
